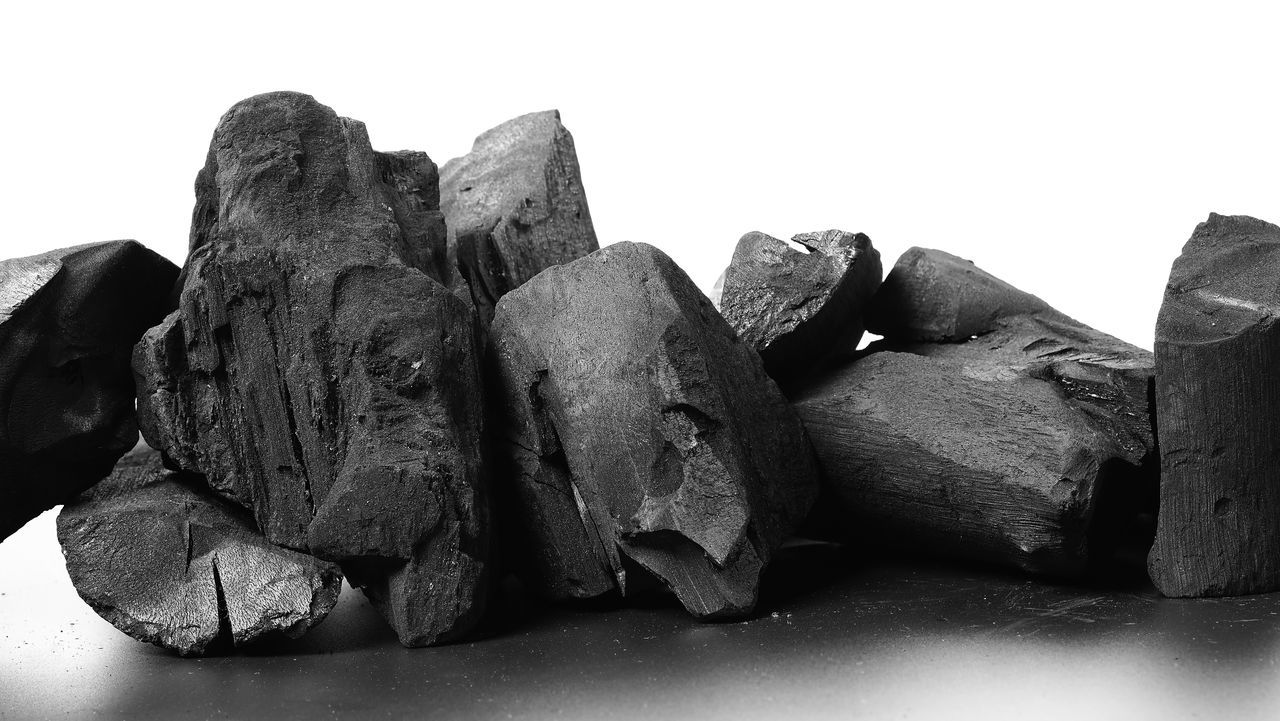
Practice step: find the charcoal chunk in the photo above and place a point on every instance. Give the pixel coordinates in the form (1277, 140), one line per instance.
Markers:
(317, 371)
(1029, 445)
(797, 307)
(643, 430)
(68, 320)
(1217, 343)
(167, 562)
(515, 206)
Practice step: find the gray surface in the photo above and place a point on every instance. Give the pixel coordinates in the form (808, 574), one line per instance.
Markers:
(890, 641)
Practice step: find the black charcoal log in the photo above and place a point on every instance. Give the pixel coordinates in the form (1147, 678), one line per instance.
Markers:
(798, 307)
(168, 562)
(515, 206)
(315, 371)
(68, 321)
(642, 428)
(1217, 339)
(1028, 445)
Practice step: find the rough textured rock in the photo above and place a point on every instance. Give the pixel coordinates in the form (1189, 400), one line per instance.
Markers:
(515, 206)
(167, 562)
(643, 429)
(1217, 350)
(1029, 445)
(797, 307)
(316, 373)
(68, 319)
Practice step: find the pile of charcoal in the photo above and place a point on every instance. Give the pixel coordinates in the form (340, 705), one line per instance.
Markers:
(427, 380)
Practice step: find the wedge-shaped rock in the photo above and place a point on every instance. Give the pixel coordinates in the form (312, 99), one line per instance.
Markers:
(1217, 388)
(1029, 445)
(643, 429)
(315, 371)
(797, 307)
(167, 562)
(515, 206)
(68, 320)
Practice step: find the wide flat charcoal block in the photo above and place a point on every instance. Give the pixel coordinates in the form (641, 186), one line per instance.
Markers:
(1217, 388)
(641, 429)
(168, 562)
(68, 321)
(797, 307)
(515, 206)
(317, 371)
(987, 425)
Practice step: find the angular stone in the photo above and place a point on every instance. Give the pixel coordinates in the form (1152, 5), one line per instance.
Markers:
(641, 429)
(515, 206)
(1030, 445)
(315, 372)
(797, 307)
(167, 562)
(68, 320)
(1217, 350)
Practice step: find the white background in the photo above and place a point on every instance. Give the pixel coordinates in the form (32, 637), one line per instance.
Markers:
(1068, 148)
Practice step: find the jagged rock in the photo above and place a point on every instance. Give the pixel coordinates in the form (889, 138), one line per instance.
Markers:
(515, 206)
(167, 562)
(68, 319)
(1218, 531)
(1029, 445)
(641, 428)
(796, 307)
(316, 373)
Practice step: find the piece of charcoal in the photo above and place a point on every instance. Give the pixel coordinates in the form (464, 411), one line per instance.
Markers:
(167, 562)
(1028, 445)
(316, 373)
(515, 206)
(642, 428)
(797, 307)
(68, 321)
(1218, 530)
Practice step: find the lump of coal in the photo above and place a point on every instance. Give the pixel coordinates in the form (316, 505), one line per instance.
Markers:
(643, 429)
(1030, 445)
(315, 370)
(68, 321)
(167, 562)
(515, 206)
(1218, 531)
(796, 307)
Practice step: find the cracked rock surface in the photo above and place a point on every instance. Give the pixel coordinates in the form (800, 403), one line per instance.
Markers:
(318, 371)
(515, 206)
(68, 321)
(167, 562)
(797, 307)
(1217, 350)
(643, 431)
(1027, 441)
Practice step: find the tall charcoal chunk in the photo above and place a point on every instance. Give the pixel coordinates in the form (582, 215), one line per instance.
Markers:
(515, 206)
(1217, 350)
(797, 307)
(68, 321)
(1026, 442)
(167, 562)
(642, 428)
(317, 372)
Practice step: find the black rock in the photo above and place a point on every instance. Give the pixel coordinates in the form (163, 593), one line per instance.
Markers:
(515, 206)
(167, 562)
(68, 320)
(315, 371)
(1030, 445)
(1217, 346)
(796, 307)
(643, 429)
